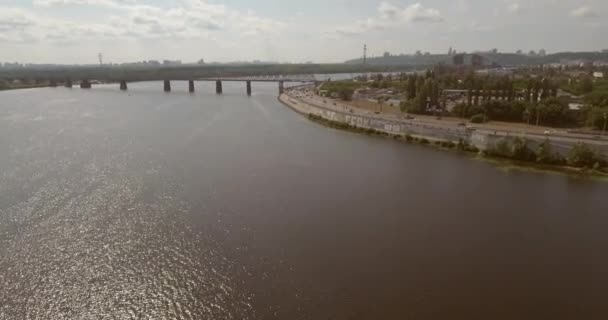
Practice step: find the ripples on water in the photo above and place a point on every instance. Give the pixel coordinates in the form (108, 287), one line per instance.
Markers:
(91, 230)
(145, 205)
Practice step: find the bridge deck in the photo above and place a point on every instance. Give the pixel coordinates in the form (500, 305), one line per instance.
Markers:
(256, 80)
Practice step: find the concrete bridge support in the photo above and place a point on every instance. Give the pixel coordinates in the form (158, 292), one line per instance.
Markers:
(167, 85)
(281, 87)
(191, 85)
(123, 85)
(85, 84)
(68, 83)
(248, 88)
(218, 87)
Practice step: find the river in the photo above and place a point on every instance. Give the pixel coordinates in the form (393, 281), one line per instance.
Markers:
(151, 205)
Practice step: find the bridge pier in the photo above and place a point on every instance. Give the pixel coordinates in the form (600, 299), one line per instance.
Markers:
(85, 84)
(167, 85)
(248, 87)
(68, 83)
(191, 85)
(218, 87)
(123, 85)
(281, 87)
(53, 83)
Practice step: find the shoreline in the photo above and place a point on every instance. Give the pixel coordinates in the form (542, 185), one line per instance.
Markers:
(462, 147)
(26, 87)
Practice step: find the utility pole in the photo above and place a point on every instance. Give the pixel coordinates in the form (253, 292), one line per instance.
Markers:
(364, 54)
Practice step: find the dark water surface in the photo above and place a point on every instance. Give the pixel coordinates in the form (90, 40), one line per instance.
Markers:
(146, 205)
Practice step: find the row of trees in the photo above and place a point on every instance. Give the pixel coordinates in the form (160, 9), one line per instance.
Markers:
(528, 99)
(551, 112)
(580, 155)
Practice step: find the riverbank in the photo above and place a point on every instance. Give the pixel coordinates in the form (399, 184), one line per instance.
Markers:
(462, 143)
(19, 87)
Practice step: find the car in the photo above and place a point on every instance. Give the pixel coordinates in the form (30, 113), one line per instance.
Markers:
(549, 132)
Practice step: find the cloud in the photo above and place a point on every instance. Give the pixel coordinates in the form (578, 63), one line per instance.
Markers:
(413, 13)
(584, 12)
(14, 19)
(105, 3)
(390, 15)
(133, 20)
(514, 8)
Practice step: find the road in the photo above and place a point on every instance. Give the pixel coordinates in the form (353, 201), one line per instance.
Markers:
(306, 94)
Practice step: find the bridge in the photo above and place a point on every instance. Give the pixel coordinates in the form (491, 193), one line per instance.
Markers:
(280, 79)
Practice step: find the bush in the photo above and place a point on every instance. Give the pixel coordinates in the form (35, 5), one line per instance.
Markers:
(346, 94)
(424, 141)
(478, 118)
(583, 156)
(502, 148)
(461, 146)
(520, 151)
(546, 155)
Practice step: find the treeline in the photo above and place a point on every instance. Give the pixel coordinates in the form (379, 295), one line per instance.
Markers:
(580, 156)
(527, 99)
(500, 59)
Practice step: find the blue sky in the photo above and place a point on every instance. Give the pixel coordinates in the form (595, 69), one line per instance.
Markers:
(75, 31)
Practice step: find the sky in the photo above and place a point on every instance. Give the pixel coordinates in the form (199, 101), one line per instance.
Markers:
(76, 31)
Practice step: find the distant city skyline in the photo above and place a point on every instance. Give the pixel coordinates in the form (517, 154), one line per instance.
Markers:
(76, 31)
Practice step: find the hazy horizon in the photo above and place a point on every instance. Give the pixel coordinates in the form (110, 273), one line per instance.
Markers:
(75, 31)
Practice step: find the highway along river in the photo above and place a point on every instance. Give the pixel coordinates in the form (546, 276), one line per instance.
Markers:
(151, 205)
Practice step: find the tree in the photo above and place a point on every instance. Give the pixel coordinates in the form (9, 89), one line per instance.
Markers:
(586, 85)
(346, 93)
(546, 88)
(510, 90)
(535, 90)
(528, 91)
(478, 118)
(597, 99)
(598, 118)
(555, 111)
(411, 87)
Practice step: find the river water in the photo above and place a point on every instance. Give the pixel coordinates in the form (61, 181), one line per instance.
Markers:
(152, 205)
